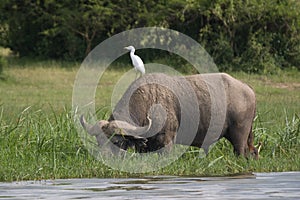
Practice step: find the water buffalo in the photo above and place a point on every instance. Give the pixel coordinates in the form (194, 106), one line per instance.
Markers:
(158, 110)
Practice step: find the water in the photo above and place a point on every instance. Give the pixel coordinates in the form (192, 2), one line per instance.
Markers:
(284, 185)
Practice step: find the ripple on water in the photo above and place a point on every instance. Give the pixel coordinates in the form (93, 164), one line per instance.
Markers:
(250, 186)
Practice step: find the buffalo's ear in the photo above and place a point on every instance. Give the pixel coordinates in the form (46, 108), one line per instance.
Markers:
(106, 130)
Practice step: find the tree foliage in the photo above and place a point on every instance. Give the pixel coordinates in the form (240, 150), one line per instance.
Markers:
(253, 35)
(249, 35)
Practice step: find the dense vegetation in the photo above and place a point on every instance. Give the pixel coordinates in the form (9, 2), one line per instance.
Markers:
(248, 35)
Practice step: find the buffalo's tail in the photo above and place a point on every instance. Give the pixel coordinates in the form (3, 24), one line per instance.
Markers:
(252, 150)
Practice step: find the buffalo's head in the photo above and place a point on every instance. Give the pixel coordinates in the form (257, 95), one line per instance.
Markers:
(119, 133)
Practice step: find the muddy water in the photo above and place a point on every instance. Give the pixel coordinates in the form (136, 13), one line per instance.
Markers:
(256, 186)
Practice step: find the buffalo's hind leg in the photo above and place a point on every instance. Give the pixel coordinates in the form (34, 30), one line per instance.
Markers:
(240, 139)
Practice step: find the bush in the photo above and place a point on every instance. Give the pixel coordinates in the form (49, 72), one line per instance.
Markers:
(257, 57)
(2, 64)
(252, 36)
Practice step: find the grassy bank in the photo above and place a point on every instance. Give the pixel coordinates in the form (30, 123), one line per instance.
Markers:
(38, 139)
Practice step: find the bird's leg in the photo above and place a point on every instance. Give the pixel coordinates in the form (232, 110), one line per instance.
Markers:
(136, 75)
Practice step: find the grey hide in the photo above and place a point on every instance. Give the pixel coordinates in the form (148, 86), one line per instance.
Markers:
(158, 111)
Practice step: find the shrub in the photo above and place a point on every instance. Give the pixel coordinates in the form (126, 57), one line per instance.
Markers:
(2, 64)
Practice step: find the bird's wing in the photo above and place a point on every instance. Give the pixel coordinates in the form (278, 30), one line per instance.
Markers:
(138, 63)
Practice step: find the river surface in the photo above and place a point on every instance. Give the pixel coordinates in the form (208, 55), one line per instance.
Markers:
(256, 186)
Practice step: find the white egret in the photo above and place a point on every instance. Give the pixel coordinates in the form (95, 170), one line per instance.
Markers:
(137, 62)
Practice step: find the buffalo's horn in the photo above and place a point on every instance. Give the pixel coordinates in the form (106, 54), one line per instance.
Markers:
(131, 129)
(92, 129)
(156, 123)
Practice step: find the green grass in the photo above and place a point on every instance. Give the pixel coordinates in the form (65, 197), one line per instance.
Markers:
(38, 139)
